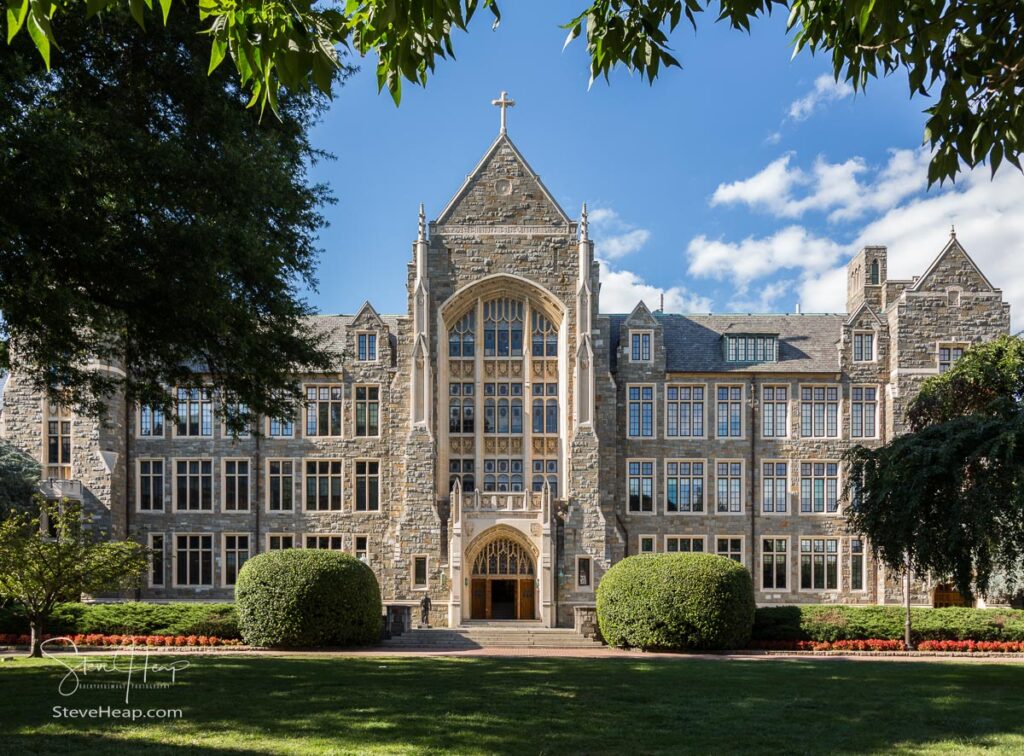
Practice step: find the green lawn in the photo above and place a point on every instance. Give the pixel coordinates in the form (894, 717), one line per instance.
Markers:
(235, 704)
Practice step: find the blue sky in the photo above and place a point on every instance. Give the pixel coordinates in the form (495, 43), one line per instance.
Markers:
(742, 182)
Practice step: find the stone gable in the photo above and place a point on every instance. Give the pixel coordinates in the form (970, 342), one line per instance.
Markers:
(503, 190)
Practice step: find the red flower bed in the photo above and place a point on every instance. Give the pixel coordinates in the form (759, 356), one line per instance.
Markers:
(151, 641)
(969, 646)
(839, 645)
(959, 646)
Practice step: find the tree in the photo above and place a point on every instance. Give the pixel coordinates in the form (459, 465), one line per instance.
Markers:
(47, 557)
(151, 221)
(19, 478)
(970, 51)
(947, 499)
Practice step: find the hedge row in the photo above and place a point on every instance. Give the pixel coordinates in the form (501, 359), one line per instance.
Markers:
(131, 618)
(827, 623)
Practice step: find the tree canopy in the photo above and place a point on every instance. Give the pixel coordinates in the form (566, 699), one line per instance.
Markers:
(19, 478)
(151, 222)
(55, 554)
(965, 53)
(948, 497)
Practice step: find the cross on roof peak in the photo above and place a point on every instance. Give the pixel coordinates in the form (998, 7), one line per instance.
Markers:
(504, 103)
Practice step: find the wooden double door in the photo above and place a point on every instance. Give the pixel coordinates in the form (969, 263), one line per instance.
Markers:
(499, 598)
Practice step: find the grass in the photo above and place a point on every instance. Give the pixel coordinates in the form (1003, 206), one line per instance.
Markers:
(240, 705)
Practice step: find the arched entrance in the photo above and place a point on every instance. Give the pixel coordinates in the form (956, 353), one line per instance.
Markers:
(946, 594)
(503, 581)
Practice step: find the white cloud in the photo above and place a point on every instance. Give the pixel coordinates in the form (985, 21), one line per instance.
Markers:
(614, 247)
(613, 237)
(913, 224)
(603, 216)
(826, 89)
(846, 190)
(791, 248)
(765, 301)
(621, 290)
(764, 189)
(989, 224)
(774, 138)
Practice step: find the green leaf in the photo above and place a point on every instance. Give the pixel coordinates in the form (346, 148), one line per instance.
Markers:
(217, 53)
(135, 7)
(996, 156)
(573, 33)
(865, 15)
(15, 20)
(39, 30)
(165, 6)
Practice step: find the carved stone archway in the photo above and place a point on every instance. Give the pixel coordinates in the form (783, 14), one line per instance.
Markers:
(500, 285)
(502, 567)
(499, 533)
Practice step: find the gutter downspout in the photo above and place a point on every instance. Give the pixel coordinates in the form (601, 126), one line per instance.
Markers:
(258, 504)
(753, 473)
(127, 485)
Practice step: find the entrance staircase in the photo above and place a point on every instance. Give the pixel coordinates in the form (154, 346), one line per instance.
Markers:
(477, 635)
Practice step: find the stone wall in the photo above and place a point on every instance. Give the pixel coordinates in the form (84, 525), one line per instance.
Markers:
(503, 235)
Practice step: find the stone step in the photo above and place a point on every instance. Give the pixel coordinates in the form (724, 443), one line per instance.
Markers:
(489, 636)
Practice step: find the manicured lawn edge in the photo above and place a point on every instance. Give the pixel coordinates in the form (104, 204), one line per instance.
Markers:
(946, 650)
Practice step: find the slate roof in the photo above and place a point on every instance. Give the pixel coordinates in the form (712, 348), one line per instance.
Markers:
(693, 343)
(336, 327)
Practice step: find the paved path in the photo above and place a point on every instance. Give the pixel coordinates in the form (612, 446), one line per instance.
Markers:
(569, 653)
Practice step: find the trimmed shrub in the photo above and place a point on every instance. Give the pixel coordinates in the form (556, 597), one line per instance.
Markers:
(131, 618)
(676, 601)
(301, 598)
(828, 623)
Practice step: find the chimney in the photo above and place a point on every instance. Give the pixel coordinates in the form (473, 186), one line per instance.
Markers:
(797, 308)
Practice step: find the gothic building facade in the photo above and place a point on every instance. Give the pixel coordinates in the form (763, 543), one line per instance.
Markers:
(502, 443)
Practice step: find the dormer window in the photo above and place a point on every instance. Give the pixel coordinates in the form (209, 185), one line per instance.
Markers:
(640, 346)
(752, 348)
(366, 344)
(864, 346)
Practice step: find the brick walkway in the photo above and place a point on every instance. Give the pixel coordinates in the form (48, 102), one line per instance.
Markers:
(598, 652)
(567, 653)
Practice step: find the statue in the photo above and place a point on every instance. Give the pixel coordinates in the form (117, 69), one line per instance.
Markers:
(425, 605)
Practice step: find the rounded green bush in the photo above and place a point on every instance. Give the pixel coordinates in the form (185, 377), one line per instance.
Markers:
(299, 598)
(676, 601)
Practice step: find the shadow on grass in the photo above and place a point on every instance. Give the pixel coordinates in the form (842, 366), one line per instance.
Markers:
(235, 705)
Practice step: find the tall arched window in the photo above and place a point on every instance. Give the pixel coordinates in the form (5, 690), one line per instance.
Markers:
(545, 407)
(503, 328)
(874, 273)
(545, 337)
(462, 337)
(515, 389)
(460, 408)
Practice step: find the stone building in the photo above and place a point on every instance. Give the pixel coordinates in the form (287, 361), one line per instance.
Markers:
(502, 443)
